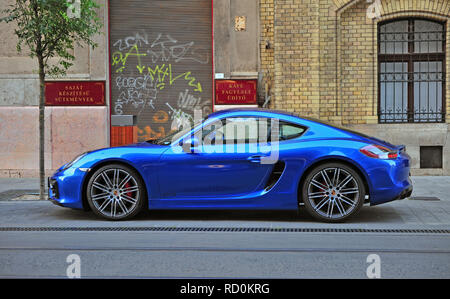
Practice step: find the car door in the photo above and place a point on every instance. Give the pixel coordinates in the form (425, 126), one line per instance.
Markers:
(226, 165)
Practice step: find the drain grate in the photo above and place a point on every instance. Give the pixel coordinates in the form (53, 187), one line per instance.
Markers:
(425, 198)
(223, 229)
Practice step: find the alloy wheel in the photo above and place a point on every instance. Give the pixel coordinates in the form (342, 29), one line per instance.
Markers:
(114, 193)
(333, 193)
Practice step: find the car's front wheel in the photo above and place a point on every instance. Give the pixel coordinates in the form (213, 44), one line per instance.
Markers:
(333, 192)
(115, 192)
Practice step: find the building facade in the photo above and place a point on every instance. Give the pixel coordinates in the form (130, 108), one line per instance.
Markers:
(379, 67)
(70, 130)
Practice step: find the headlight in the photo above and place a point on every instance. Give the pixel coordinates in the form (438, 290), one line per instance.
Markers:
(74, 161)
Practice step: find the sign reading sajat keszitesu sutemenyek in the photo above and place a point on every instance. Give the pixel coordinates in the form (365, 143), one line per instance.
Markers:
(235, 92)
(75, 93)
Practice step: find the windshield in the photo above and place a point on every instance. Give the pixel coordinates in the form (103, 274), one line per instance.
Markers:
(175, 134)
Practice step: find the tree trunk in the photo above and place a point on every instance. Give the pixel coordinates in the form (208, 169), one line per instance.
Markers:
(41, 129)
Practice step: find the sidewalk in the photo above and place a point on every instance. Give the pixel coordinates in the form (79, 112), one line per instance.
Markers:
(424, 186)
(437, 186)
(19, 188)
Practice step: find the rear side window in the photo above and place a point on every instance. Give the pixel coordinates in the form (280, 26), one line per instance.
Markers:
(290, 131)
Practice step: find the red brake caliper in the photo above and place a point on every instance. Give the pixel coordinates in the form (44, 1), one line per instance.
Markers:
(127, 185)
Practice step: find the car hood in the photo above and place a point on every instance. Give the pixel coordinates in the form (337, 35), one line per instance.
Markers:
(126, 153)
(146, 145)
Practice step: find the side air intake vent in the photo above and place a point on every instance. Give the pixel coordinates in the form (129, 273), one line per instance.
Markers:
(277, 170)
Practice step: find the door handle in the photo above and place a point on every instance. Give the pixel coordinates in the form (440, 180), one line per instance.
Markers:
(254, 159)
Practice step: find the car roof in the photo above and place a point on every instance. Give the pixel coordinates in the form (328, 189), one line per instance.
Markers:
(309, 120)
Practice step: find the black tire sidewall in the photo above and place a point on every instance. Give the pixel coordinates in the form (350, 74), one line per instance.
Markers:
(313, 172)
(142, 191)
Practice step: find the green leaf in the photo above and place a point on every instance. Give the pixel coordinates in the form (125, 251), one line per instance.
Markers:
(46, 29)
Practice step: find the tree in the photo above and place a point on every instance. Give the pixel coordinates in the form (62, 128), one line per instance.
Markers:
(49, 29)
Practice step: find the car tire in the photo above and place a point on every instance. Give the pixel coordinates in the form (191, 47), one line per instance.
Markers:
(333, 192)
(116, 192)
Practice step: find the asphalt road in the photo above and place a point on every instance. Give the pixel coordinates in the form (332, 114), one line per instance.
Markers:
(223, 255)
(37, 237)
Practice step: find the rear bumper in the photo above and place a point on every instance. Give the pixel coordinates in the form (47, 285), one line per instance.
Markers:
(403, 194)
(390, 180)
(406, 193)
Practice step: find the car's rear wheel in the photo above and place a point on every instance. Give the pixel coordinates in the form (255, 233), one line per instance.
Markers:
(116, 192)
(333, 192)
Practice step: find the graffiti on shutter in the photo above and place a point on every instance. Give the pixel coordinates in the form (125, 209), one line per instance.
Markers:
(160, 76)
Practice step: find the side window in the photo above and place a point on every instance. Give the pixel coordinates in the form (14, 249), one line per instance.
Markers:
(238, 130)
(290, 131)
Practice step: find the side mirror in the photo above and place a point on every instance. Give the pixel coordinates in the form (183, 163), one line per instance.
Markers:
(190, 145)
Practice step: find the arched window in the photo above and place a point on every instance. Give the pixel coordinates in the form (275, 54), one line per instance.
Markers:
(411, 66)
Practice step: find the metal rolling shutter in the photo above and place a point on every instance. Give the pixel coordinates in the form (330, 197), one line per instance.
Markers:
(161, 62)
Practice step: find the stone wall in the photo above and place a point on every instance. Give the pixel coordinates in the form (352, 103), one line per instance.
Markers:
(69, 130)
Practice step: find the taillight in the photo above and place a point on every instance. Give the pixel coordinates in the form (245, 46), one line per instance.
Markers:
(378, 152)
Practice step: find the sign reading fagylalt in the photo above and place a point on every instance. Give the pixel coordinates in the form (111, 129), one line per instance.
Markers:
(235, 92)
(75, 93)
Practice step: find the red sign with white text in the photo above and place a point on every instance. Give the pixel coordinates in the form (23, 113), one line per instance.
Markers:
(75, 93)
(230, 92)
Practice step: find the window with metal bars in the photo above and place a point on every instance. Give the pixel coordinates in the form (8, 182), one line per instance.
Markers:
(411, 66)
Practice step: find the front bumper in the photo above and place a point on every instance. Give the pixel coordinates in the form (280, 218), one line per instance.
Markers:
(65, 188)
(52, 185)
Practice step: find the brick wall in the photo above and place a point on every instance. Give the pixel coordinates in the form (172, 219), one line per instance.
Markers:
(324, 64)
(296, 56)
(323, 55)
(358, 62)
(267, 43)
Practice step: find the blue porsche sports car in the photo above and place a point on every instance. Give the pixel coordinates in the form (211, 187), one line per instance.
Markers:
(239, 159)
